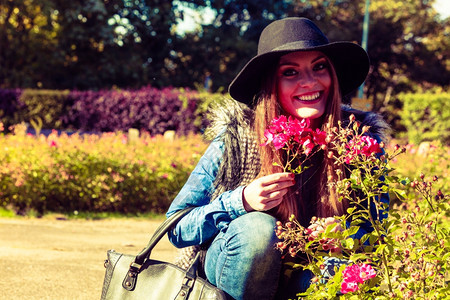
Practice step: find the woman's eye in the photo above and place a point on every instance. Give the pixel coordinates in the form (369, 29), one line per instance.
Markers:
(320, 66)
(289, 72)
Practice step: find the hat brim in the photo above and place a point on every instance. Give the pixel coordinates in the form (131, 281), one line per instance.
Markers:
(350, 62)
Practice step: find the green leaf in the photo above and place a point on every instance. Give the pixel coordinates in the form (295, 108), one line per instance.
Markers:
(380, 248)
(350, 210)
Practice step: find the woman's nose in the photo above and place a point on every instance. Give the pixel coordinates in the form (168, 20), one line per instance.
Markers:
(306, 79)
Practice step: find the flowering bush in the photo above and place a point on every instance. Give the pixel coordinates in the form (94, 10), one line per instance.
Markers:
(114, 172)
(404, 256)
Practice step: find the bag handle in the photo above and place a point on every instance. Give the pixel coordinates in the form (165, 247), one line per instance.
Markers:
(159, 233)
(129, 281)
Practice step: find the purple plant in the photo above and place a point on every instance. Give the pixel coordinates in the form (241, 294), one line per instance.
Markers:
(148, 109)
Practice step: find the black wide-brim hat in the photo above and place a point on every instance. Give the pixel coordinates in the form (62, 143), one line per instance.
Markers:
(281, 37)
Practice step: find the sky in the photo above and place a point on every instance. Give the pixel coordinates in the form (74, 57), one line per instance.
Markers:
(443, 7)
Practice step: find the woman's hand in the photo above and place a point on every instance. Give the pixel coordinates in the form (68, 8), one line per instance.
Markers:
(267, 192)
(319, 225)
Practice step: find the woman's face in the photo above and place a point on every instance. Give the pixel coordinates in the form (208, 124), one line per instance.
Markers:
(303, 84)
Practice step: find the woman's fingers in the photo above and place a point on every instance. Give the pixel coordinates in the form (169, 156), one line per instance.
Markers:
(276, 178)
(267, 192)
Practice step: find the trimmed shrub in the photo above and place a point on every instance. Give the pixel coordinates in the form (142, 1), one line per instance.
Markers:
(150, 109)
(45, 107)
(153, 110)
(10, 106)
(426, 117)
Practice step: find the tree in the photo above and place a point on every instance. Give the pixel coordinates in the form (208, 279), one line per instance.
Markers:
(27, 41)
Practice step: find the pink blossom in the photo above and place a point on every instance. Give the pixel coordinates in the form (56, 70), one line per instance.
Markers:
(269, 137)
(354, 275)
(320, 137)
(291, 133)
(297, 127)
(279, 124)
(308, 145)
(364, 146)
(280, 140)
(367, 272)
(348, 287)
(370, 145)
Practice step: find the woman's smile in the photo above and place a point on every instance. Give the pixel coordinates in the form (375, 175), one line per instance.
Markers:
(309, 98)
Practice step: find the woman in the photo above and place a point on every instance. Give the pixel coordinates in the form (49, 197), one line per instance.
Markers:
(237, 191)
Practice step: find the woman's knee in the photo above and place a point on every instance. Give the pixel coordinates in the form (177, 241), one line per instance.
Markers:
(254, 230)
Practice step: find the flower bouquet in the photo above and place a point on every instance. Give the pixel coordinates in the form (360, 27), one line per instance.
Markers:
(295, 137)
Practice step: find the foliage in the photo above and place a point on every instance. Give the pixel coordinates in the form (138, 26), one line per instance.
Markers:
(404, 256)
(149, 109)
(428, 158)
(44, 106)
(85, 44)
(112, 172)
(94, 44)
(427, 117)
(10, 106)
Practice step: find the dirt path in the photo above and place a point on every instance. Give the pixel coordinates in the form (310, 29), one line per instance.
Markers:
(63, 259)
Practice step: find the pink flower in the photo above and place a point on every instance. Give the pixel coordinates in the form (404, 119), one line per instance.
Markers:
(307, 145)
(348, 287)
(354, 275)
(294, 135)
(369, 146)
(297, 127)
(366, 272)
(364, 146)
(320, 136)
(279, 124)
(269, 137)
(280, 140)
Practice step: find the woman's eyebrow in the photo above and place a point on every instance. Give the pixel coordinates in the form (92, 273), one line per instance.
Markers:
(291, 63)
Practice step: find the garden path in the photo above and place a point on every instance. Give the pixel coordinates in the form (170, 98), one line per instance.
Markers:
(63, 259)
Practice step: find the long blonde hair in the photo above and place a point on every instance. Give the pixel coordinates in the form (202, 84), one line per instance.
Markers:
(326, 202)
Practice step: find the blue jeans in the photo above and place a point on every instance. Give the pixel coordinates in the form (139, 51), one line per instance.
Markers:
(242, 260)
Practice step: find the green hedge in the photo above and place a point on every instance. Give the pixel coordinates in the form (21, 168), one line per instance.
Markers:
(46, 106)
(114, 172)
(426, 117)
